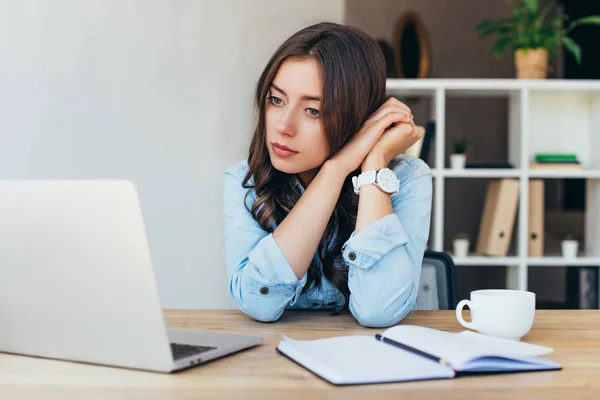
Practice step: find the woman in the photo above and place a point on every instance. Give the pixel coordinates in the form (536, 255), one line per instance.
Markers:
(297, 234)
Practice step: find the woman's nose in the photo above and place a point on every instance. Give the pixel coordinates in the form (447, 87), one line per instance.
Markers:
(286, 124)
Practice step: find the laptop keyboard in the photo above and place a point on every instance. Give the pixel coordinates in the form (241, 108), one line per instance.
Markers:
(184, 350)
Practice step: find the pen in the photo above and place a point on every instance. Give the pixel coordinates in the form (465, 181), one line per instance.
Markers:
(411, 349)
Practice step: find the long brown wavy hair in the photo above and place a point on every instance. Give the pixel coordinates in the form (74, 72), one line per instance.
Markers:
(353, 74)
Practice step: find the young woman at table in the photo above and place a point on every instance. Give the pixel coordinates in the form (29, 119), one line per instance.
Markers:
(297, 235)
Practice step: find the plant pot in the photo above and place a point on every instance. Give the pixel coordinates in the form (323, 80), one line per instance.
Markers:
(531, 63)
(458, 161)
(569, 248)
(461, 247)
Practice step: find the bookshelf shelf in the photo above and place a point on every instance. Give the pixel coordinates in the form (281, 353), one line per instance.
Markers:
(515, 173)
(549, 115)
(487, 87)
(558, 174)
(478, 173)
(550, 261)
(563, 262)
(484, 260)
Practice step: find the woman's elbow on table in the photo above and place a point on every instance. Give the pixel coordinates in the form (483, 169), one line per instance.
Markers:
(263, 314)
(256, 306)
(375, 312)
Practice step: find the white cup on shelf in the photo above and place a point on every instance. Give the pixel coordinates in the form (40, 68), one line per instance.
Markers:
(503, 313)
(460, 246)
(569, 248)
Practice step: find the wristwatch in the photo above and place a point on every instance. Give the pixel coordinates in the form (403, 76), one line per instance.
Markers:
(385, 179)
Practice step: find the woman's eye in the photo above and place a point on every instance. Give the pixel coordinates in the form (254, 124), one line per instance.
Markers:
(313, 112)
(275, 100)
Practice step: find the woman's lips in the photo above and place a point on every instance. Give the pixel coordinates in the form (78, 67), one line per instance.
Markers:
(282, 152)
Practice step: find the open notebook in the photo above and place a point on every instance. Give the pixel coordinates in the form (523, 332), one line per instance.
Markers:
(348, 360)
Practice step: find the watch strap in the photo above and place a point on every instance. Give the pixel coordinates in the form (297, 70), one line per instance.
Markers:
(365, 178)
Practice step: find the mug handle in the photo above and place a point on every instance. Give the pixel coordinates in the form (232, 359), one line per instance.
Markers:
(459, 317)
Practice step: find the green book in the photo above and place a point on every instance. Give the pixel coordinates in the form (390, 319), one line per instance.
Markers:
(552, 157)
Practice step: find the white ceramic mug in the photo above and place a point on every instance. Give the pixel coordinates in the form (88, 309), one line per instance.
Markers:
(502, 313)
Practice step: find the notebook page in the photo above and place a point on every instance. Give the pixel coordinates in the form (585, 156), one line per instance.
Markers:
(460, 348)
(492, 364)
(360, 359)
(504, 346)
(435, 342)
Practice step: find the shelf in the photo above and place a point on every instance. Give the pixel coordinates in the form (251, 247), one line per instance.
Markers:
(486, 87)
(548, 261)
(559, 261)
(478, 173)
(558, 174)
(485, 260)
(514, 173)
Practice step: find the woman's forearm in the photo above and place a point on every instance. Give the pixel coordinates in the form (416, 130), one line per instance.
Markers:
(299, 234)
(373, 204)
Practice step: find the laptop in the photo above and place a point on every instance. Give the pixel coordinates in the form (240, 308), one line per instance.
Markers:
(77, 283)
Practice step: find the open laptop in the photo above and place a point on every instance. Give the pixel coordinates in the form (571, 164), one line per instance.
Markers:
(76, 280)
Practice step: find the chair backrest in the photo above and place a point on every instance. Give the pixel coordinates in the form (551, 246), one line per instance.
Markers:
(436, 286)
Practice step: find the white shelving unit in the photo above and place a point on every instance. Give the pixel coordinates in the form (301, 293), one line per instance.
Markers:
(544, 116)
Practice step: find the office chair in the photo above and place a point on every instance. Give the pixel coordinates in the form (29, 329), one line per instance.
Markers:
(436, 287)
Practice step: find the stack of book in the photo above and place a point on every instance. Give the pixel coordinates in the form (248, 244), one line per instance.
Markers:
(556, 161)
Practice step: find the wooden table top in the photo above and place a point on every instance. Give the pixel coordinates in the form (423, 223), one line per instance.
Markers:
(262, 373)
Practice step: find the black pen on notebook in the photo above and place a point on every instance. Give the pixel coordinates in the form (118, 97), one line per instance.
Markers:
(411, 349)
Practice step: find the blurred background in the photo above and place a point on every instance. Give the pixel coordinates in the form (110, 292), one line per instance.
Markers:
(160, 92)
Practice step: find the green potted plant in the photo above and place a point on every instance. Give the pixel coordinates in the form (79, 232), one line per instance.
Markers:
(532, 36)
(458, 158)
(461, 244)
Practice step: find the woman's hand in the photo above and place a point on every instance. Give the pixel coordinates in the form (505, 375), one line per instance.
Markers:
(391, 121)
(395, 140)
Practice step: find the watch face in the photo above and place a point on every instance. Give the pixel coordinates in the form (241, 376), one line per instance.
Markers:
(387, 180)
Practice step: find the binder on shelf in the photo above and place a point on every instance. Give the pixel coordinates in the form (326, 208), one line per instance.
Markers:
(497, 222)
(536, 218)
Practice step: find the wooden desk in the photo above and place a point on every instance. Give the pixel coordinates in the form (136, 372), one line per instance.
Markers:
(262, 373)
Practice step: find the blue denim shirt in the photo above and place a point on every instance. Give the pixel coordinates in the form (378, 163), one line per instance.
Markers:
(384, 259)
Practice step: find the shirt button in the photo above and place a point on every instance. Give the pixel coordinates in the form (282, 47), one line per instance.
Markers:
(264, 290)
(352, 256)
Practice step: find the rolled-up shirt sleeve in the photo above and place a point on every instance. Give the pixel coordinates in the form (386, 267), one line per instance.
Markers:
(261, 281)
(384, 259)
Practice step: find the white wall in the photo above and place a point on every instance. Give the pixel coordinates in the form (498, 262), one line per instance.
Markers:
(159, 92)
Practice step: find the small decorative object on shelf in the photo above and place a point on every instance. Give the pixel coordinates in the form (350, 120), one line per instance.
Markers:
(411, 47)
(461, 244)
(569, 247)
(458, 159)
(533, 36)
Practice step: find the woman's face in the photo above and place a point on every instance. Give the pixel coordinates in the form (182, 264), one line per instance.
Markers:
(293, 119)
